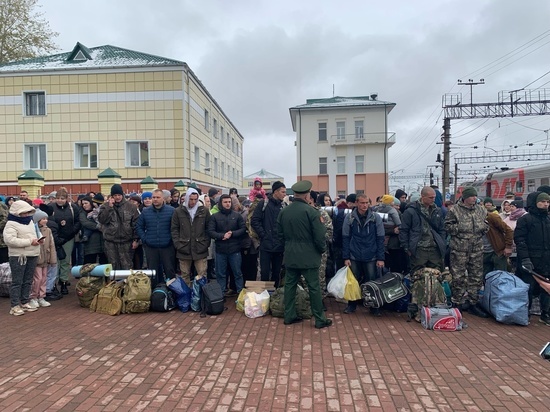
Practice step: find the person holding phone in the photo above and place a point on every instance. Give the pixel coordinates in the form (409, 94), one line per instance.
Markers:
(47, 257)
(532, 238)
(23, 249)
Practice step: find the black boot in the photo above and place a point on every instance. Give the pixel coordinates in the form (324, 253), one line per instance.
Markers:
(53, 295)
(64, 290)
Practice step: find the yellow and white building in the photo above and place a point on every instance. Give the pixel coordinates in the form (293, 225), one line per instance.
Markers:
(342, 144)
(70, 116)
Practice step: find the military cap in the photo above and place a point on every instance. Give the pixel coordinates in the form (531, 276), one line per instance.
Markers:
(303, 186)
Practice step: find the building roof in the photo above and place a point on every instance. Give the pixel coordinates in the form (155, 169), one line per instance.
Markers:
(340, 102)
(92, 58)
(264, 174)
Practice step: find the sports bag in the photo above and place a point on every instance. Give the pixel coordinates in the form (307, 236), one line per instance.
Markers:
(86, 289)
(441, 318)
(137, 293)
(212, 299)
(108, 300)
(303, 304)
(386, 289)
(506, 298)
(162, 299)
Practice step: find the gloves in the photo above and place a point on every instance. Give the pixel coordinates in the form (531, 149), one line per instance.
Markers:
(527, 264)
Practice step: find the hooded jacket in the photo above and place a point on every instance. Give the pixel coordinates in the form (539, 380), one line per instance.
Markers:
(532, 236)
(220, 223)
(363, 241)
(19, 237)
(253, 192)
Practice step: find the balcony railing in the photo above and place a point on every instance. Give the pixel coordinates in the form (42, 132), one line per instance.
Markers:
(362, 138)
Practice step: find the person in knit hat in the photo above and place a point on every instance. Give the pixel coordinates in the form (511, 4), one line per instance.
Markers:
(47, 257)
(146, 199)
(395, 258)
(490, 205)
(532, 239)
(118, 218)
(23, 244)
(466, 223)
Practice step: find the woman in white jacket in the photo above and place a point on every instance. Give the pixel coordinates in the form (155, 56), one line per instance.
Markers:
(22, 239)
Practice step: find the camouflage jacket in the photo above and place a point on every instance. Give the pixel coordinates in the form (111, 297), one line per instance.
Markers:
(463, 223)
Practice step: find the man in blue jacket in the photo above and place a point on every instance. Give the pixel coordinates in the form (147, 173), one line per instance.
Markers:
(153, 228)
(363, 245)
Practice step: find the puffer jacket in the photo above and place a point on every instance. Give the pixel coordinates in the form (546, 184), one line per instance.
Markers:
(532, 236)
(466, 226)
(190, 239)
(119, 221)
(222, 222)
(3, 220)
(153, 226)
(48, 254)
(18, 237)
(70, 213)
(264, 223)
(363, 242)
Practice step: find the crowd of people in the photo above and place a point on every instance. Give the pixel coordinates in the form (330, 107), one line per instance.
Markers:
(304, 238)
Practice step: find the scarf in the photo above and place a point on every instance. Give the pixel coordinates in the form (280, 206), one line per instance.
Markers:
(192, 211)
(21, 220)
(516, 214)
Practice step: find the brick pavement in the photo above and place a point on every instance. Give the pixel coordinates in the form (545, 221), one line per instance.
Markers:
(66, 358)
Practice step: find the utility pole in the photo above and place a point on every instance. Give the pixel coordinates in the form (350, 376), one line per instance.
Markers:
(446, 154)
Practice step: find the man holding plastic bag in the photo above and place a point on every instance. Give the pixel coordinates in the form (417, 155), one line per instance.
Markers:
(363, 245)
(300, 227)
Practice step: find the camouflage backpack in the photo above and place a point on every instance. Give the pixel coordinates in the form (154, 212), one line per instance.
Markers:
(427, 290)
(108, 300)
(87, 287)
(137, 293)
(251, 232)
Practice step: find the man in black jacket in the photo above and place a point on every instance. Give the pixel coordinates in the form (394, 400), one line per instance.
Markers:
(227, 228)
(264, 223)
(422, 232)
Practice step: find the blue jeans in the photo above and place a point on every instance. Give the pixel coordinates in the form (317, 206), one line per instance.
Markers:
(234, 260)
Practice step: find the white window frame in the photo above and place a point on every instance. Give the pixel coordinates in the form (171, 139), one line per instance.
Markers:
(130, 162)
(197, 158)
(41, 156)
(206, 120)
(341, 130)
(221, 132)
(323, 161)
(79, 149)
(37, 107)
(359, 129)
(215, 167)
(340, 165)
(207, 162)
(360, 164)
(215, 127)
(322, 132)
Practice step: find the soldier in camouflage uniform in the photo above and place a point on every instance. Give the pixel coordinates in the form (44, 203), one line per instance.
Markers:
(466, 223)
(327, 222)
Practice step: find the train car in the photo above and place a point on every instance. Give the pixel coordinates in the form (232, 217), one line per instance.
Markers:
(521, 181)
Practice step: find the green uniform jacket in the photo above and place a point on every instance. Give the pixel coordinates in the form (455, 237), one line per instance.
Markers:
(303, 234)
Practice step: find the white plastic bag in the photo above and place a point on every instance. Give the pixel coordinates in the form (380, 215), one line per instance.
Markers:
(256, 304)
(337, 285)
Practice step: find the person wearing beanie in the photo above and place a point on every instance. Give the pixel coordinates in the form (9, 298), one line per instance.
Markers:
(118, 218)
(395, 257)
(37, 202)
(98, 199)
(415, 196)
(490, 205)
(466, 223)
(544, 188)
(47, 258)
(264, 230)
(351, 199)
(146, 199)
(22, 238)
(387, 199)
(532, 239)
(422, 232)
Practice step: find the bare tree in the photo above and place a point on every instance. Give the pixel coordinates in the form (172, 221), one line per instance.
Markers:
(24, 33)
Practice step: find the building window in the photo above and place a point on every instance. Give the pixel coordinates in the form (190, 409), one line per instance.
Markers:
(228, 138)
(197, 160)
(221, 132)
(215, 127)
(341, 130)
(137, 154)
(223, 170)
(359, 192)
(207, 163)
(35, 104)
(323, 166)
(341, 193)
(359, 129)
(223, 138)
(233, 144)
(85, 155)
(530, 185)
(206, 120)
(35, 156)
(237, 149)
(229, 177)
(322, 132)
(360, 164)
(340, 164)
(215, 167)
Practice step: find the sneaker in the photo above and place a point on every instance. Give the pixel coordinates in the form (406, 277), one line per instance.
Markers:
(230, 292)
(17, 311)
(27, 307)
(53, 295)
(545, 318)
(34, 303)
(43, 303)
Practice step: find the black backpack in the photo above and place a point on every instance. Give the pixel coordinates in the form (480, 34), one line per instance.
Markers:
(212, 299)
(162, 299)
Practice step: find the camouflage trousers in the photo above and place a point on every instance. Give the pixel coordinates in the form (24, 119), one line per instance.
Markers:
(322, 277)
(120, 255)
(467, 271)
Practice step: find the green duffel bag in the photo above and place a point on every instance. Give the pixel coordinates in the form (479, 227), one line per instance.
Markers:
(277, 303)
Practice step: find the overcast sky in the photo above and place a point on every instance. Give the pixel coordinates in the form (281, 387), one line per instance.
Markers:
(260, 57)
